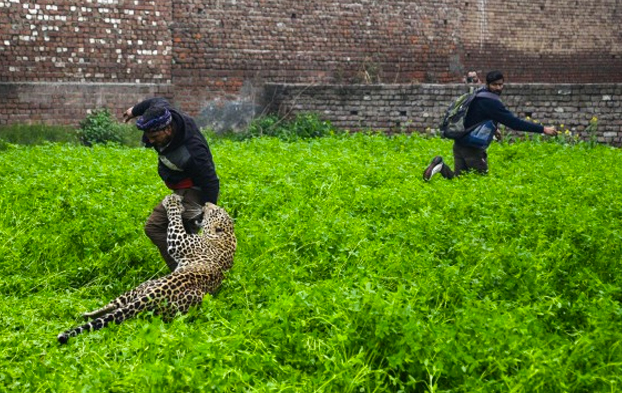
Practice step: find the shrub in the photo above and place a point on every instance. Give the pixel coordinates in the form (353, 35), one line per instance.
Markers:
(302, 126)
(99, 127)
(129, 135)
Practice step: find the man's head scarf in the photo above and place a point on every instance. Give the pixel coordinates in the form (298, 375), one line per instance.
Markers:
(154, 120)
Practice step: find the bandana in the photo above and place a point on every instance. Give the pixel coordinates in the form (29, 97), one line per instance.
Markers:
(154, 124)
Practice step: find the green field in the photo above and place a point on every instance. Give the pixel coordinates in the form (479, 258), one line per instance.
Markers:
(352, 274)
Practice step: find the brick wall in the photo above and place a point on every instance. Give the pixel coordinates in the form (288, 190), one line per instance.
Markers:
(219, 53)
(69, 103)
(88, 41)
(420, 107)
(399, 41)
(544, 41)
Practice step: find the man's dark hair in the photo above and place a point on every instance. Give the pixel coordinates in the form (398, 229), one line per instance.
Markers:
(493, 76)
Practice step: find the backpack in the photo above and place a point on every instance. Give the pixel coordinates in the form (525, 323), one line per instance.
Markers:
(452, 126)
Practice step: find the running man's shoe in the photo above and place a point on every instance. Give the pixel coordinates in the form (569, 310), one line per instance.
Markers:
(435, 167)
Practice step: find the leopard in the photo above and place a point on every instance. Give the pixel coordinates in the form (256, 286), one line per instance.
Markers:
(202, 258)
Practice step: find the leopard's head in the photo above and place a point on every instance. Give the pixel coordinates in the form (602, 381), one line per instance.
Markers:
(216, 221)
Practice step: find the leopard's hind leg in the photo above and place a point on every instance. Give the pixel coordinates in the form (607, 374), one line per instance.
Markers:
(120, 301)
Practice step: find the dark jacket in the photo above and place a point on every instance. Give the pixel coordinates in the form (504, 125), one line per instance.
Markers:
(483, 109)
(186, 162)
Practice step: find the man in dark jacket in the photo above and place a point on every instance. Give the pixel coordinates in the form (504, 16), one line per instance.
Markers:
(486, 111)
(185, 165)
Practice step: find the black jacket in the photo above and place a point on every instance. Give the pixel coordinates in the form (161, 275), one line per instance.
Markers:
(483, 109)
(186, 162)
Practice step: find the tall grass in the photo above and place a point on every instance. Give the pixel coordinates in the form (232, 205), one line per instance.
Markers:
(352, 274)
(37, 134)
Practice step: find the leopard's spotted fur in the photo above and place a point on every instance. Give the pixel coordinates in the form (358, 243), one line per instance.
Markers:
(202, 261)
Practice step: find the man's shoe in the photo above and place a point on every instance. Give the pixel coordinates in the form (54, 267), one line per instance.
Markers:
(435, 167)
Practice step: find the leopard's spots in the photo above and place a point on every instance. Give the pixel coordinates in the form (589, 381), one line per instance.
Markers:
(201, 260)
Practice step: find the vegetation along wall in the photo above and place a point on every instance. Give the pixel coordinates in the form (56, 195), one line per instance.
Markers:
(571, 108)
(214, 57)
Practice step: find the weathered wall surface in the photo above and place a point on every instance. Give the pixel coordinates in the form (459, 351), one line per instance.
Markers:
(69, 102)
(420, 107)
(220, 45)
(544, 41)
(90, 41)
(214, 56)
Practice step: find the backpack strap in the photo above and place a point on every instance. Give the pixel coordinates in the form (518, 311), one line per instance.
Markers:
(487, 94)
(482, 92)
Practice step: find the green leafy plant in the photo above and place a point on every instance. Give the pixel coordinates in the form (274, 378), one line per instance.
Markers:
(352, 274)
(565, 136)
(99, 127)
(592, 131)
(588, 137)
(302, 126)
(36, 134)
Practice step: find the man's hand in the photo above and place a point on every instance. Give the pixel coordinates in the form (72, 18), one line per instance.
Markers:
(550, 131)
(498, 136)
(127, 116)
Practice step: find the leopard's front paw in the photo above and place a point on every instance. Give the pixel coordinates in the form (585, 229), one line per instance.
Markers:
(172, 200)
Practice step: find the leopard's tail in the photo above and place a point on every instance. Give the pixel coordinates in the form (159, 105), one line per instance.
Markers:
(117, 316)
